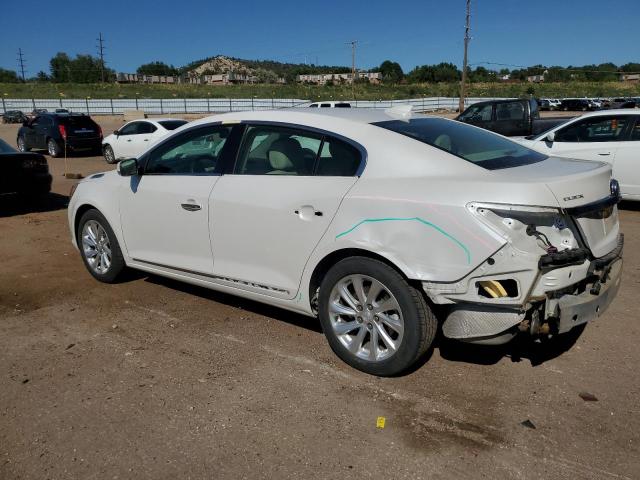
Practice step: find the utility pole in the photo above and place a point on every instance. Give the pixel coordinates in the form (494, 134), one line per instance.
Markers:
(463, 84)
(21, 63)
(101, 55)
(353, 60)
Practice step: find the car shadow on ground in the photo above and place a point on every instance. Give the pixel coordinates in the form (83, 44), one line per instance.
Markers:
(11, 205)
(276, 313)
(523, 347)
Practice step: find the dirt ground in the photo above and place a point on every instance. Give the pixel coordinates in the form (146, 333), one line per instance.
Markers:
(154, 379)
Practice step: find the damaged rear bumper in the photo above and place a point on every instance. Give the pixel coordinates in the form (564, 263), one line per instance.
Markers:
(566, 290)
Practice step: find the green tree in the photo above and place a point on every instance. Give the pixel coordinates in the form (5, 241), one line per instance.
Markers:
(391, 71)
(8, 76)
(82, 69)
(157, 68)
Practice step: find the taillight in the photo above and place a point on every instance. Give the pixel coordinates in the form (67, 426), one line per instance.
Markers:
(63, 131)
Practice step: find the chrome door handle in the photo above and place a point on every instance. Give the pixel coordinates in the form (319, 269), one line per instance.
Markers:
(191, 207)
(146, 139)
(306, 211)
(604, 154)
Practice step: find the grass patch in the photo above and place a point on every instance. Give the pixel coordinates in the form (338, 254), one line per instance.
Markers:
(312, 92)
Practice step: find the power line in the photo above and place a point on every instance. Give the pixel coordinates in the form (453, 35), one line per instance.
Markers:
(21, 62)
(101, 55)
(463, 84)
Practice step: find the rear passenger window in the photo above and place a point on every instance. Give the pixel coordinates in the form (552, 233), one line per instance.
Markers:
(275, 150)
(510, 111)
(338, 159)
(146, 127)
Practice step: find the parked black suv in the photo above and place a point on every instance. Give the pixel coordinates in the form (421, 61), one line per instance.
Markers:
(576, 105)
(57, 131)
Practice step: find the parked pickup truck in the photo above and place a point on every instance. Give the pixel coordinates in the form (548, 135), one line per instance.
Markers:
(513, 118)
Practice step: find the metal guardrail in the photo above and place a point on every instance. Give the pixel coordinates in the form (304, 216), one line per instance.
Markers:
(116, 106)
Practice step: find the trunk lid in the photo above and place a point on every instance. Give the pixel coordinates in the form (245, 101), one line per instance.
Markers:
(576, 184)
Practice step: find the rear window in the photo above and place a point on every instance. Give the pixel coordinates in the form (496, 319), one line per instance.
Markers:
(343, 105)
(472, 144)
(172, 124)
(78, 121)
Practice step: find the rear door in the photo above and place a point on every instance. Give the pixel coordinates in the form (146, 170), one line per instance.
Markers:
(626, 167)
(270, 211)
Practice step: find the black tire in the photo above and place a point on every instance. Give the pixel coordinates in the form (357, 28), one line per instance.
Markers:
(117, 265)
(107, 152)
(22, 148)
(53, 148)
(420, 324)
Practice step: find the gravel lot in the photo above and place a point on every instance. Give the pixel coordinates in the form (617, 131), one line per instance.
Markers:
(154, 379)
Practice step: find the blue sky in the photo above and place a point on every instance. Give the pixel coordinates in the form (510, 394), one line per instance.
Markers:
(412, 32)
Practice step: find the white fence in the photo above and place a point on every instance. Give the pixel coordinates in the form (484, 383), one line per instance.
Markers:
(116, 106)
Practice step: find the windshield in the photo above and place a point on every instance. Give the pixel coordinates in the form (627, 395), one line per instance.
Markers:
(172, 124)
(472, 144)
(6, 148)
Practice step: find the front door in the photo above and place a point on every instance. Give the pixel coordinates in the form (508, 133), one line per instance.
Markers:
(165, 211)
(592, 138)
(626, 167)
(268, 215)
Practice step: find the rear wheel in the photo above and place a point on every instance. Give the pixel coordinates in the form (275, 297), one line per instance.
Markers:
(109, 156)
(99, 247)
(53, 148)
(373, 318)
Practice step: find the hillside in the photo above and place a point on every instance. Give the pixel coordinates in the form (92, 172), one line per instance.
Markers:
(222, 64)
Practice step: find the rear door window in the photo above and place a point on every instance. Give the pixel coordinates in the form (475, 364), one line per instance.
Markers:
(172, 124)
(510, 111)
(146, 127)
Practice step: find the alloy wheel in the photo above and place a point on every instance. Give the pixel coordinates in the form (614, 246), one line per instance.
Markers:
(21, 144)
(366, 317)
(96, 247)
(52, 148)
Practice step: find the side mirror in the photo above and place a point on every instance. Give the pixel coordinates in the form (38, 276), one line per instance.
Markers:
(127, 167)
(116, 133)
(551, 136)
(25, 123)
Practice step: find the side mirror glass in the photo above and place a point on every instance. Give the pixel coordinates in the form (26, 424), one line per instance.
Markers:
(551, 136)
(127, 167)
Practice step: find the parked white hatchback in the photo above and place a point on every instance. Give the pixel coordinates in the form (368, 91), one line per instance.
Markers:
(133, 138)
(381, 223)
(612, 136)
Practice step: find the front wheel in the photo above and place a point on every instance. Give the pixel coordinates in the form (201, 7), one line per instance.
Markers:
(99, 247)
(373, 319)
(53, 148)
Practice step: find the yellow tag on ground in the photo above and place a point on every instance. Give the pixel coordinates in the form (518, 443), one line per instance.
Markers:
(380, 422)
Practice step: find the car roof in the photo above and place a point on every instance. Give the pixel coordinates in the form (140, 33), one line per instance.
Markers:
(615, 111)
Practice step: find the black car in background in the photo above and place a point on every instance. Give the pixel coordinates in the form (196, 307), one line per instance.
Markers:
(23, 173)
(576, 105)
(56, 132)
(13, 116)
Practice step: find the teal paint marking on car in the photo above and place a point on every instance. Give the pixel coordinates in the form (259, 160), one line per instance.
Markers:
(411, 219)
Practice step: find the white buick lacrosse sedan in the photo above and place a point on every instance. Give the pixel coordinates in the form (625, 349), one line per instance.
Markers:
(368, 220)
